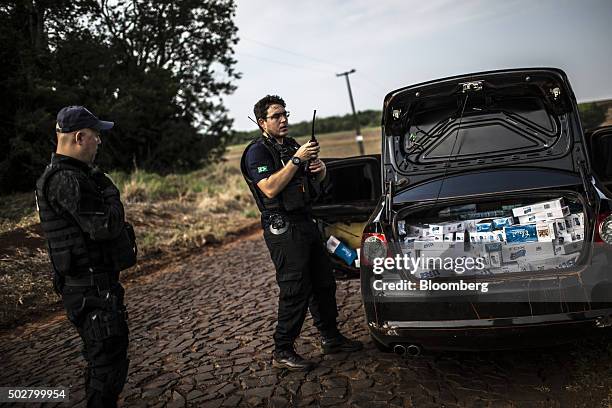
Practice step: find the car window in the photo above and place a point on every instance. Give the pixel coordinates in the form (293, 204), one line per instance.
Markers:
(601, 152)
(352, 183)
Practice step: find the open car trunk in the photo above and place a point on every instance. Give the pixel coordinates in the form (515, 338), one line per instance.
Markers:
(349, 195)
(502, 234)
(522, 118)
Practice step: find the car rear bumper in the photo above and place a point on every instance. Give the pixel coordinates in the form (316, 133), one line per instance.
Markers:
(494, 333)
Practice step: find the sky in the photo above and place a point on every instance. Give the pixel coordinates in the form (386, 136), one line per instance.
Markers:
(295, 48)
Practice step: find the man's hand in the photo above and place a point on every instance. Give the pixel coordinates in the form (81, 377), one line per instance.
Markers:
(307, 151)
(316, 166)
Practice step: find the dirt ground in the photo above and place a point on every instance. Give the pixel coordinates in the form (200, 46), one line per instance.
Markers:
(201, 335)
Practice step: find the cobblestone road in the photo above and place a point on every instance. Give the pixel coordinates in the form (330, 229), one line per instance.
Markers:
(201, 336)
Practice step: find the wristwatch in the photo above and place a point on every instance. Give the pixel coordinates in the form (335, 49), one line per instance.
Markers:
(296, 160)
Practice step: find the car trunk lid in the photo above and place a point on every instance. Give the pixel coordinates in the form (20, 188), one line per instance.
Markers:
(513, 118)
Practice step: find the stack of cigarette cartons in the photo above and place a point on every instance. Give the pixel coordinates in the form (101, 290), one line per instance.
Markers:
(546, 234)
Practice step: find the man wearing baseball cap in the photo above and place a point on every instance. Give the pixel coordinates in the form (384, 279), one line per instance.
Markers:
(89, 243)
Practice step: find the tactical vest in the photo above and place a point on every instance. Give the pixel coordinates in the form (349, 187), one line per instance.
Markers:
(296, 196)
(71, 251)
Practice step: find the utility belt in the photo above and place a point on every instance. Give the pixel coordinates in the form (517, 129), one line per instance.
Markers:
(102, 280)
(104, 315)
(278, 223)
(103, 304)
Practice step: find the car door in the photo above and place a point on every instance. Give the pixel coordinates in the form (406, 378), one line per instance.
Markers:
(599, 141)
(349, 194)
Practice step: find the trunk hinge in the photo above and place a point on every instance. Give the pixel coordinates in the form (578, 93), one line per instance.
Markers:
(389, 200)
(585, 182)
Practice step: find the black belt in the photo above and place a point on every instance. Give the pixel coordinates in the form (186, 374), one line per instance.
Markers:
(293, 217)
(102, 281)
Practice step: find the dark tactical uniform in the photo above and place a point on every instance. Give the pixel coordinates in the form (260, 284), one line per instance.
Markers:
(303, 271)
(89, 243)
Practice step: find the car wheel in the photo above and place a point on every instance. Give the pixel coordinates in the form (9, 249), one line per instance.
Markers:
(380, 346)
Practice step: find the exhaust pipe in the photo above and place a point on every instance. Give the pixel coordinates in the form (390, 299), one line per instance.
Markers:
(413, 350)
(399, 349)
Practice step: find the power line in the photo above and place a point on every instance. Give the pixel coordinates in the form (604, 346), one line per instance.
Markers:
(284, 63)
(367, 79)
(274, 47)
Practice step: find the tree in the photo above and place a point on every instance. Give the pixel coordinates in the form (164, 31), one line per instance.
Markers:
(591, 114)
(181, 53)
(158, 68)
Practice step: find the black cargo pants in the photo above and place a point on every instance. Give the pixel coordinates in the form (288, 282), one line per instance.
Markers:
(305, 280)
(105, 342)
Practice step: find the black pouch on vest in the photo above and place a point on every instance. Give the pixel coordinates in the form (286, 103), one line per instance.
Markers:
(104, 324)
(123, 250)
(61, 261)
(294, 196)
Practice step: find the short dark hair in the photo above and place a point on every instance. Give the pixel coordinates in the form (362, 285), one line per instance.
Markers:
(261, 107)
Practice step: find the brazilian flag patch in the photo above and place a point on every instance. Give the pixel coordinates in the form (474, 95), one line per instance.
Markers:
(261, 169)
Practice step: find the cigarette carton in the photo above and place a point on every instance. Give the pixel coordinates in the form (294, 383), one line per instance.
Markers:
(577, 235)
(521, 233)
(433, 245)
(538, 207)
(528, 250)
(446, 228)
(401, 227)
(484, 226)
(500, 223)
(495, 259)
(544, 215)
(469, 225)
(482, 237)
(493, 253)
(565, 248)
(498, 236)
(574, 221)
(341, 250)
(560, 227)
(546, 231)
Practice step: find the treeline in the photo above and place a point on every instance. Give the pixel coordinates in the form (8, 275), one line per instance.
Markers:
(592, 114)
(157, 68)
(367, 118)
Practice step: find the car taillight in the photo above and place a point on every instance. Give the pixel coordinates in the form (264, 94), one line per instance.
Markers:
(373, 245)
(603, 232)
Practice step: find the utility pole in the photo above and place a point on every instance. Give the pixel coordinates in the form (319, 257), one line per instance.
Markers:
(358, 136)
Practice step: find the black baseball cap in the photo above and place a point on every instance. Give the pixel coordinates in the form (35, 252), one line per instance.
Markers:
(73, 118)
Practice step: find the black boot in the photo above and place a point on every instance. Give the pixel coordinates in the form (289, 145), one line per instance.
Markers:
(290, 360)
(338, 343)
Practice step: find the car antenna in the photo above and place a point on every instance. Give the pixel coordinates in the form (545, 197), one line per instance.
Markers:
(259, 126)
